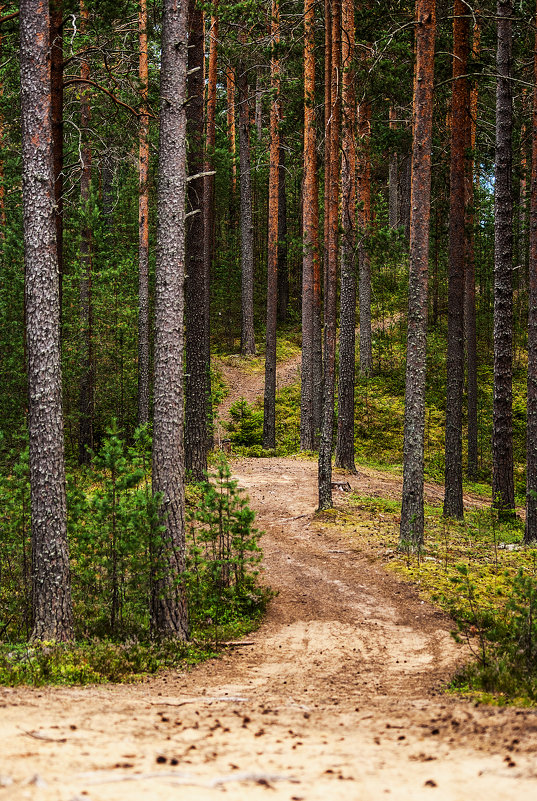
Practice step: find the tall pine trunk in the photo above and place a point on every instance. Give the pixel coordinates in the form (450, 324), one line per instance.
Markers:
(453, 505)
(347, 324)
(169, 611)
(51, 586)
(530, 534)
(56, 88)
(310, 228)
(503, 492)
(269, 416)
(364, 221)
(87, 375)
(143, 225)
(469, 275)
(331, 208)
(412, 515)
(196, 284)
(247, 226)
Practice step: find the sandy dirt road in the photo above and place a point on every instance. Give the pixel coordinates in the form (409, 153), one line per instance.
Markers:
(337, 697)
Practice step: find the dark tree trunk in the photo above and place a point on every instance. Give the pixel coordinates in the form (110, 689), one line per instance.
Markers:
(310, 226)
(412, 516)
(364, 221)
(247, 227)
(143, 226)
(453, 505)
(87, 375)
(169, 611)
(331, 206)
(503, 492)
(347, 324)
(469, 278)
(51, 586)
(283, 271)
(269, 416)
(197, 367)
(530, 534)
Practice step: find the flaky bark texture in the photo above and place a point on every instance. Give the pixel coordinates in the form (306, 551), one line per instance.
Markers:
(469, 275)
(51, 586)
(87, 374)
(269, 416)
(503, 491)
(196, 285)
(247, 226)
(530, 534)
(169, 611)
(56, 88)
(411, 532)
(310, 227)
(364, 221)
(331, 207)
(453, 506)
(143, 225)
(347, 321)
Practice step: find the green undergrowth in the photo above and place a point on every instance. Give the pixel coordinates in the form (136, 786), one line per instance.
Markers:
(287, 347)
(115, 530)
(479, 572)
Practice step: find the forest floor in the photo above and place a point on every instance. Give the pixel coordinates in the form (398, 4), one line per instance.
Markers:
(338, 695)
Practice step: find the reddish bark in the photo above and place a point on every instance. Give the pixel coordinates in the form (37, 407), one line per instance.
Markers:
(310, 222)
(269, 417)
(143, 225)
(453, 505)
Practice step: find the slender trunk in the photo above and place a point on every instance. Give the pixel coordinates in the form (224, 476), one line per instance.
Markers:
(453, 505)
(364, 222)
(469, 276)
(412, 516)
(143, 226)
(347, 324)
(196, 289)
(327, 139)
(247, 228)
(310, 219)
(208, 200)
(258, 107)
(331, 206)
(503, 492)
(283, 270)
(86, 390)
(3, 219)
(169, 612)
(393, 178)
(51, 585)
(269, 417)
(230, 88)
(530, 534)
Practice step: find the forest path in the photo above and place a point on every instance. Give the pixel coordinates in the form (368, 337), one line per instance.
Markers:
(335, 697)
